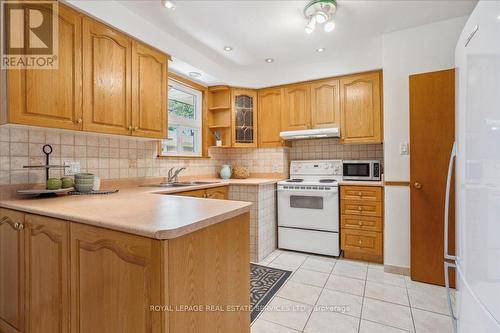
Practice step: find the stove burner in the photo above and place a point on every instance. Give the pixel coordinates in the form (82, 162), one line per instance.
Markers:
(327, 180)
(295, 180)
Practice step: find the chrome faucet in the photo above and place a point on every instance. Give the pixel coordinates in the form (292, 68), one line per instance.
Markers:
(172, 176)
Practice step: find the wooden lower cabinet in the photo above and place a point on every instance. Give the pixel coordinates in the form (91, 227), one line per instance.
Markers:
(60, 276)
(209, 193)
(11, 271)
(361, 216)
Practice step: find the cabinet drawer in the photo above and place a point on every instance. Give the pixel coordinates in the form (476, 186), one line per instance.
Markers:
(362, 241)
(364, 208)
(365, 193)
(217, 193)
(194, 193)
(367, 223)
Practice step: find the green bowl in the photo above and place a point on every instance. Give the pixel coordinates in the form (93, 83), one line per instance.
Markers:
(84, 176)
(67, 182)
(84, 188)
(84, 181)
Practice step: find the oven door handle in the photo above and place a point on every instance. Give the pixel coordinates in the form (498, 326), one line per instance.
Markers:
(309, 192)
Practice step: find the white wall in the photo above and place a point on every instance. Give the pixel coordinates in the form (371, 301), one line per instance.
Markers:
(422, 49)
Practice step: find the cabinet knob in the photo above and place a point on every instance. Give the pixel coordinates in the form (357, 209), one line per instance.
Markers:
(79, 120)
(360, 208)
(360, 242)
(19, 226)
(360, 194)
(130, 128)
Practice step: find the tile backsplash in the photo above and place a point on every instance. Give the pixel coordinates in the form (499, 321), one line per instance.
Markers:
(113, 157)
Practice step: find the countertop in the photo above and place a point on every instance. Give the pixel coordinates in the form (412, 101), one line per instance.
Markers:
(361, 183)
(144, 211)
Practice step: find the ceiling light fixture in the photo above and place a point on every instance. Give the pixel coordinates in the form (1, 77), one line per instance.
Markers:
(269, 60)
(320, 12)
(228, 48)
(168, 4)
(320, 49)
(194, 74)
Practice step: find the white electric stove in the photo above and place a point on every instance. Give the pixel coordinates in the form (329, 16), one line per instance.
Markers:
(308, 207)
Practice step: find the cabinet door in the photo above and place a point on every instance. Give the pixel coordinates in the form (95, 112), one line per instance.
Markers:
(149, 86)
(106, 79)
(217, 193)
(244, 118)
(51, 97)
(296, 113)
(361, 119)
(47, 272)
(270, 117)
(325, 107)
(115, 278)
(11, 271)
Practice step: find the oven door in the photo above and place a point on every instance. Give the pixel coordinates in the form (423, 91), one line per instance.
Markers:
(357, 170)
(300, 207)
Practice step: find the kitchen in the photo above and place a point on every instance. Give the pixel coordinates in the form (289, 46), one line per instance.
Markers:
(195, 160)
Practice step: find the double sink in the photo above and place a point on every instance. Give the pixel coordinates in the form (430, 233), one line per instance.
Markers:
(181, 184)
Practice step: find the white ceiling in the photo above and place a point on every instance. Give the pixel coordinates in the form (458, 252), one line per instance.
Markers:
(275, 29)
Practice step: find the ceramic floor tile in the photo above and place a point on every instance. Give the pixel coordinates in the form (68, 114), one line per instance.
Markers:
(287, 313)
(429, 322)
(331, 322)
(375, 266)
(300, 292)
(415, 285)
(387, 313)
(346, 284)
(290, 259)
(371, 327)
(264, 326)
(313, 278)
(429, 300)
(350, 270)
(319, 264)
(379, 276)
(386, 292)
(354, 262)
(284, 267)
(341, 302)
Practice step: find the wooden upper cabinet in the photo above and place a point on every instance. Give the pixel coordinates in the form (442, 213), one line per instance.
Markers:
(51, 97)
(106, 79)
(47, 272)
(296, 104)
(244, 118)
(11, 272)
(270, 117)
(361, 114)
(325, 104)
(149, 92)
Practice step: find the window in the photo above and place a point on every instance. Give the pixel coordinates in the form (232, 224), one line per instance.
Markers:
(184, 121)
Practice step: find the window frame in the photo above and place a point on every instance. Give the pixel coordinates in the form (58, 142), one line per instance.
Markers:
(197, 123)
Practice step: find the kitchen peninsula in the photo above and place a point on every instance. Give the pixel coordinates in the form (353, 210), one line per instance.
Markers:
(134, 261)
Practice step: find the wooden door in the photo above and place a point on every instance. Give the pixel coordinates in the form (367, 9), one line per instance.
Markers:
(244, 119)
(296, 112)
(51, 97)
(270, 117)
(432, 132)
(115, 278)
(149, 86)
(11, 271)
(106, 79)
(325, 107)
(217, 193)
(47, 272)
(360, 105)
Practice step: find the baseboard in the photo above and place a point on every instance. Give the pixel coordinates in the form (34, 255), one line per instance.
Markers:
(397, 270)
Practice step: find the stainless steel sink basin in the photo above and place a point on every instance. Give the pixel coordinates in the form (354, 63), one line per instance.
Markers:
(180, 184)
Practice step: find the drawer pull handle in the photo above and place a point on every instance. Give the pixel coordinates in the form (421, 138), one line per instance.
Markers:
(360, 223)
(359, 242)
(360, 208)
(360, 194)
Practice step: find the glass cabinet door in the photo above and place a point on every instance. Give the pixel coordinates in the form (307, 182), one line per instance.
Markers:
(245, 106)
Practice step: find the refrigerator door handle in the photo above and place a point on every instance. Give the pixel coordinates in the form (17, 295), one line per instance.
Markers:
(448, 265)
(447, 201)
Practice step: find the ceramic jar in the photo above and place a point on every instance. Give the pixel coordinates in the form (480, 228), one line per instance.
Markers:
(225, 171)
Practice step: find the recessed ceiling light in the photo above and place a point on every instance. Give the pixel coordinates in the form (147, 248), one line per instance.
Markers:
(269, 60)
(168, 4)
(194, 74)
(228, 48)
(320, 49)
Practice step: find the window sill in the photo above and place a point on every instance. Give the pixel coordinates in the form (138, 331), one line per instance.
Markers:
(185, 157)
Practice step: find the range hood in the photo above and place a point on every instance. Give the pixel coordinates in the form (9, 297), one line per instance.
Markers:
(333, 132)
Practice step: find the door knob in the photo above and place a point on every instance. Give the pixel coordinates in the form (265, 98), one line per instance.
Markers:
(417, 185)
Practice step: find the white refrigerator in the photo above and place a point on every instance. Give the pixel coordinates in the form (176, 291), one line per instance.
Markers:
(476, 305)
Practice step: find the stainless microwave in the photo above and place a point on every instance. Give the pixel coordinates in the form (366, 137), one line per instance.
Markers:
(361, 170)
